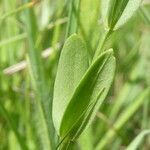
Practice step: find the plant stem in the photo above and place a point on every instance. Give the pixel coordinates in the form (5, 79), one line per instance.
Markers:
(73, 17)
(13, 39)
(102, 43)
(17, 10)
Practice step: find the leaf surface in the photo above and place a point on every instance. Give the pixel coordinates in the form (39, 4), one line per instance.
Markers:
(73, 64)
(116, 13)
(92, 90)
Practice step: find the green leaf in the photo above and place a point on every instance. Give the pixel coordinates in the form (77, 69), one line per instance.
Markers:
(73, 64)
(137, 141)
(115, 13)
(92, 90)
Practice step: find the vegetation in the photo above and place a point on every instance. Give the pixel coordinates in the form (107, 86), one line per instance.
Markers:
(75, 74)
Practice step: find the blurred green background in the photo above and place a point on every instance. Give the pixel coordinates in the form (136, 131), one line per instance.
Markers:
(32, 34)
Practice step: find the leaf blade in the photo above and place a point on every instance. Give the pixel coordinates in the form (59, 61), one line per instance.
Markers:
(129, 11)
(137, 141)
(116, 13)
(94, 81)
(72, 65)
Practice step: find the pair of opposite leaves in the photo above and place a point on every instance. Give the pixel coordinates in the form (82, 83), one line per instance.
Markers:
(79, 88)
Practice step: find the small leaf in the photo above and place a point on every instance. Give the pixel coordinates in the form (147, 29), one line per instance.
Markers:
(115, 13)
(92, 90)
(73, 64)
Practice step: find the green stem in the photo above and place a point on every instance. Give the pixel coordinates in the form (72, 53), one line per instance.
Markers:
(102, 43)
(73, 18)
(15, 11)
(13, 39)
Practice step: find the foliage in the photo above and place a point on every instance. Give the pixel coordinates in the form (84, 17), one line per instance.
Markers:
(75, 74)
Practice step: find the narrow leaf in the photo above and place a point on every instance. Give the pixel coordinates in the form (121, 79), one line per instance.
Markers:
(94, 84)
(129, 11)
(115, 13)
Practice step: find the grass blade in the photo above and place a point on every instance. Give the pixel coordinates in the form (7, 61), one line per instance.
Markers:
(137, 141)
(20, 139)
(123, 118)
